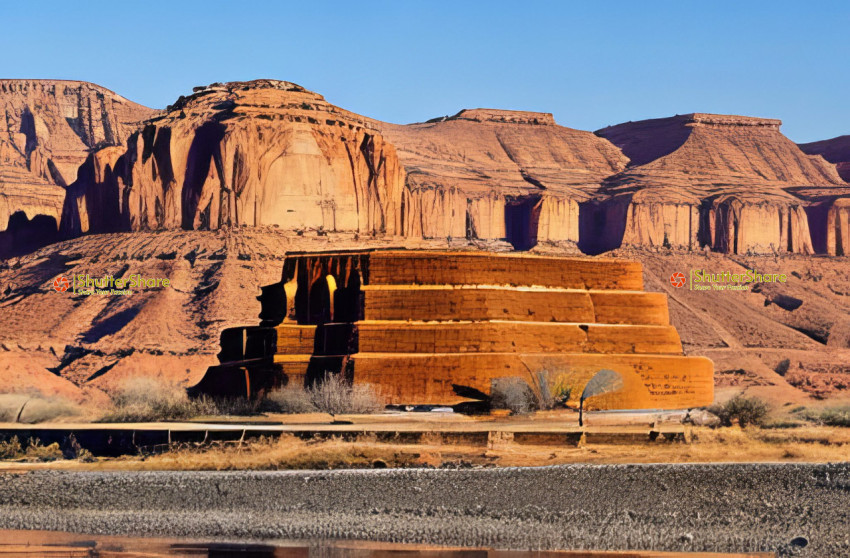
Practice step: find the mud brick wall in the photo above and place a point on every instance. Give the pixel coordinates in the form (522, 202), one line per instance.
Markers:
(650, 381)
(428, 320)
(441, 268)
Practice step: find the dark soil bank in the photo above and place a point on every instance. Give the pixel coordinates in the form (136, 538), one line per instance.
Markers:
(795, 510)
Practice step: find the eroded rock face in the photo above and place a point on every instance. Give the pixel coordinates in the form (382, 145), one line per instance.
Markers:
(48, 128)
(835, 150)
(258, 153)
(492, 174)
(729, 182)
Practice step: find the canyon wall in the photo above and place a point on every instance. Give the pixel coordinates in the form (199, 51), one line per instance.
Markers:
(271, 153)
(47, 129)
(728, 182)
(499, 174)
(267, 153)
(835, 150)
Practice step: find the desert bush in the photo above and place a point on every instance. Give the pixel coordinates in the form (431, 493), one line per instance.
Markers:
(836, 416)
(11, 449)
(544, 391)
(291, 399)
(36, 452)
(34, 408)
(744, 410)
(333, 395)
(144, 399)
(513, 394)
(31, 451)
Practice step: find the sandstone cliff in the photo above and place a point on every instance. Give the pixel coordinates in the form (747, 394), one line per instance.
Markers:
(833, 213)
(47, 129)
(835, 150)
(257, 153)
(729, 182)
(493, 174)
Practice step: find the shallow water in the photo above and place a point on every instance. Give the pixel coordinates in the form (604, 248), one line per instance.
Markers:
(71, 545)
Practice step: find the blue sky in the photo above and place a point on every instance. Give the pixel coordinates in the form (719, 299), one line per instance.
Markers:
(591, 63)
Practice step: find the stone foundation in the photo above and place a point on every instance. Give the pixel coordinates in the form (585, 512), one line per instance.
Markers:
(416, 325)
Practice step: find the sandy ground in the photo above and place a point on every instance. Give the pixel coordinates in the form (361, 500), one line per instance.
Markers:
(720, 508)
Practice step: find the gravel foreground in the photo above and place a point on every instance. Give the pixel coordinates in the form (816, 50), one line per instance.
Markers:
(721, 508)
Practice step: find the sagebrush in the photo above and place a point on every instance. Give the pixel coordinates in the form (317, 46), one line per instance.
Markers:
(333, 395)
(740, 409)
(146, 399)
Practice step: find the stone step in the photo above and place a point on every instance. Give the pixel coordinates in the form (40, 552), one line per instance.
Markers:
(443, 303)
(649, 381)
(478, 337)
(471, 268)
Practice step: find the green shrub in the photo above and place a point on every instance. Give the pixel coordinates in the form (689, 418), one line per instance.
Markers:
(836, 416)
(744, 410)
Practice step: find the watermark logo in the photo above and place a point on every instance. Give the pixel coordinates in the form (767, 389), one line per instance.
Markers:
(718, 280)
(61, 284)
(677, 279)
(84, 284)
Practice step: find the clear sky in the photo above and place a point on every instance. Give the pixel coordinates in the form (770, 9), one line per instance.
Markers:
(592, 63)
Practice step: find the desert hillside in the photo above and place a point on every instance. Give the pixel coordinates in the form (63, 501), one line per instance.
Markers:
(213, 191)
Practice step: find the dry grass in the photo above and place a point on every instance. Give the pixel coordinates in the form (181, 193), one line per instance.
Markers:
(32, 451)
(728, 445)
(33, 408)
(285, 452)
(333, 395)
(146, 399)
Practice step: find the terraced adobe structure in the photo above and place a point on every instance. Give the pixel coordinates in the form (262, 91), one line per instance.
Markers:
(417, 324)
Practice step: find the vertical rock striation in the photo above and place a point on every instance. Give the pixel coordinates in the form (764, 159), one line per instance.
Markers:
(499, 174)
(729, 182)
(47, 128)
(257, 153)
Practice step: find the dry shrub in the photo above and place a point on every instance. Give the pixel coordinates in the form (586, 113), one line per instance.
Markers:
(34, 408)
(744, 410)
(32, 451)
(37, 452)
(546, 390)
(291, 399)
(145, 399)
(333, 395)
(11, 449)
(835, 416)
(513, 394)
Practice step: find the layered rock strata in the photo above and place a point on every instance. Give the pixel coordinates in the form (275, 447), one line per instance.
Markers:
(831, 217)
(729, 182)
(47, 129)
(259, 153)
(495, 174)
(419, 325)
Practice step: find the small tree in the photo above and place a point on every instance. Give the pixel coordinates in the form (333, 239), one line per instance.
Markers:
(746, 410)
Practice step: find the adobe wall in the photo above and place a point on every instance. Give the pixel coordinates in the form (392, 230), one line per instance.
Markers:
(416, 324)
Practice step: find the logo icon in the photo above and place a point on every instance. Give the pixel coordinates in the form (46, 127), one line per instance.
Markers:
(61, 284)
(677, 279)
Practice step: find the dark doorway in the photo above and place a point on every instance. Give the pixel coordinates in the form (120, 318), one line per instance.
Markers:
(522, 216)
